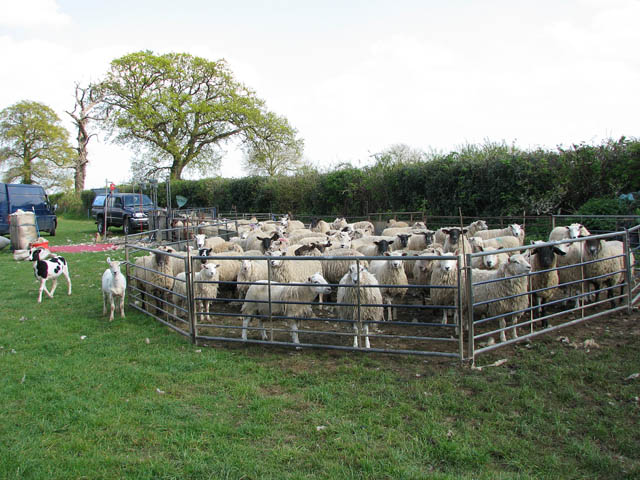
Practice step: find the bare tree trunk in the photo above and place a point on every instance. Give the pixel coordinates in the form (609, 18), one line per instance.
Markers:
(86, 100)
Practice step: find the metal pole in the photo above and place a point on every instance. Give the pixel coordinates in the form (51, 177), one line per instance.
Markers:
(359, 319)
(190, 298)
(459, 310)
(627, 267)
(471, 334)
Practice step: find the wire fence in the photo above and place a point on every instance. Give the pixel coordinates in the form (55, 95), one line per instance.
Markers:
(469, 313)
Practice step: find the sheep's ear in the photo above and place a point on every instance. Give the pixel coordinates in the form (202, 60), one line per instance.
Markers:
(558, 251)
(386, 254)
(464, 230)
(404, 254)
(109, 260)
(391, 241)
(446, 231)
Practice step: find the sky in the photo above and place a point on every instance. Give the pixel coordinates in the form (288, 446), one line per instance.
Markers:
(354, 77)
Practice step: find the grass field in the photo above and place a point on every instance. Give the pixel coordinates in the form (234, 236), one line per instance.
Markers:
(135, 400)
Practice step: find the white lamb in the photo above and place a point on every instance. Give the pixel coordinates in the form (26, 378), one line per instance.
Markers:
(390, 274)
(114, 285)
(444, 283)
(358, 285)
(609, 270)
(574, 230)
(205, 288)
(251, 271)
(286, 300)
(513, 230)
(507, 295)
(497, 242)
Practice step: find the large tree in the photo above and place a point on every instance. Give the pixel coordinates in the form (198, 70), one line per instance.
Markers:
(34, 146)
(87, 98)
(271, 150)
(178, 111)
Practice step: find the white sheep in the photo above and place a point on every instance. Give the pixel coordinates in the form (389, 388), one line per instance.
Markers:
(513, 230)
(570, 269)
(319, 226)
(420, 239)
(492, 259)
(154, 276)
(286, 300)
(392, 222)
(364, 226)
(544, 275)
(609, 270)
(574, 230)
(339, 223)
(475, 226)
(422, 269)
(456, 239)
(292, 271)
(250, 271)
(496, 242)
(360, 300)
(114, 285)
(393, 280)
(373, 246)
(444, 282)
(506, 293)
(205, 288)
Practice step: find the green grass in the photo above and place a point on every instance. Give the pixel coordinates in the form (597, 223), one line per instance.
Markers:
(74, 408)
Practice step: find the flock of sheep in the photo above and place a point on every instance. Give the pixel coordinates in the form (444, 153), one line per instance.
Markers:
(504, 279)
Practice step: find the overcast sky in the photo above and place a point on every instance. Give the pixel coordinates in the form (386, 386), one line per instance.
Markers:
(355, 77)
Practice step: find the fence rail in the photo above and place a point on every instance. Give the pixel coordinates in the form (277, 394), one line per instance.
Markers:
(173, 296)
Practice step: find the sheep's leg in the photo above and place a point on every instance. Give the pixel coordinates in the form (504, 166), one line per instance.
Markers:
(355, 337)
(514, 320)
(54, 284)
(42, 287)
(245, 324)
(445, 318)
(104, 303)
(365, 327)
(66, 275)
(294, 332)
(113, 307)
(122, 306)
(263, 330)
(503, 324)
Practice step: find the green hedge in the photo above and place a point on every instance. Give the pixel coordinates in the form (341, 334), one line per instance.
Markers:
(485, 180)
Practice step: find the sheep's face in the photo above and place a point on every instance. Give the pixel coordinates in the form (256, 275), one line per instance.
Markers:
(320, 285)
(454, 234)
(490, 261)
(574, 230)
(355, 271)
(481, 225)
(477, 244)
(428, 236)
(200, 238)
(114, 266)
(396, 263)
(275, 261)
(519, 265)
(547, 256)
(419, 225)
(342, 239)
(593, 247)
(210, 270)
(383, 245)
(245, 268)
(447, 265)
(516, 230)
(404, 239)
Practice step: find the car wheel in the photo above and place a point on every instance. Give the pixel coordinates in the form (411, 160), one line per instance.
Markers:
(52, 232)
(100, 225)
(126, 226)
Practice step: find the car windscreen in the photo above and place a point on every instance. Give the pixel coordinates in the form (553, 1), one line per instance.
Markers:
(134, 201)
(98, 201)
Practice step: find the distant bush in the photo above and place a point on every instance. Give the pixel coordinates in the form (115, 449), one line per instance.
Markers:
(69, 204)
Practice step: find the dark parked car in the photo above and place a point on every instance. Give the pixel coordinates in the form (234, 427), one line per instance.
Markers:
(127, 210)
(18, 196)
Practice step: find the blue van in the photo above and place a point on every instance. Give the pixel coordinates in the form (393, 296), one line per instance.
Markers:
(15, 196)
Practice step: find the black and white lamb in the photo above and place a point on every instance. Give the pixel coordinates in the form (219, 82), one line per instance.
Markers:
(49, 269)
